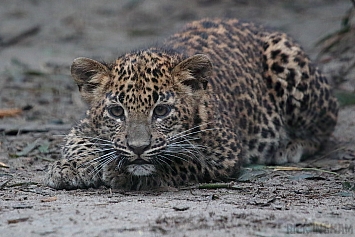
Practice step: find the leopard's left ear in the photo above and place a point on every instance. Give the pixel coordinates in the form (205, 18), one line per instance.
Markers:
(194, 72)
(90, 76)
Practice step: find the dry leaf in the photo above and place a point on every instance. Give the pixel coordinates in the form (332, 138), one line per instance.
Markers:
(14, 221)
(9, 112)
(50, 199)
(3, 165)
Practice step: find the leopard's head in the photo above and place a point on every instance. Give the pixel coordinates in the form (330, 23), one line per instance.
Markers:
(146, 108)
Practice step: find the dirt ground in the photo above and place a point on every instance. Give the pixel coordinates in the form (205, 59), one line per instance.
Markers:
(38, 41)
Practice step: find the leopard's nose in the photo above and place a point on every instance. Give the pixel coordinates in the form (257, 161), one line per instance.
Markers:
(139, 149)
(138, 137)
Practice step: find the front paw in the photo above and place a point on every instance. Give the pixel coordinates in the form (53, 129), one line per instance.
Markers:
(62, 175)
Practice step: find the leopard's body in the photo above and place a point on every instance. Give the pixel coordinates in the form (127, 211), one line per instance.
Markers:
(217, 95)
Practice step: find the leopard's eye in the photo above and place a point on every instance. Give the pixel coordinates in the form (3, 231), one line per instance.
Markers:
(116, 111)
(161, 111)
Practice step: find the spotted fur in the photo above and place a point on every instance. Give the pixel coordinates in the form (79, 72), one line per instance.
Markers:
(219, 94)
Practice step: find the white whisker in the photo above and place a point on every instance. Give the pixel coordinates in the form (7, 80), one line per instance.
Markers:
(105, 162)
(181, 133)
(162, 159)
(172, 154)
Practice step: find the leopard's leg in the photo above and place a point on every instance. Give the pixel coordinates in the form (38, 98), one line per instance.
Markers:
(302, 97)
(65, 174)
(294, 151)
(80, 166)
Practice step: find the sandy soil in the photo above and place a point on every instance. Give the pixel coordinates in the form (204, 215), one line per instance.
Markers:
(38, 41)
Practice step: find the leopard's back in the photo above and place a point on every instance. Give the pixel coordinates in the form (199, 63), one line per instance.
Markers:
(266, 86)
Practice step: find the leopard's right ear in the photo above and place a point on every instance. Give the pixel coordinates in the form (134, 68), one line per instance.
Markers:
(90, 76)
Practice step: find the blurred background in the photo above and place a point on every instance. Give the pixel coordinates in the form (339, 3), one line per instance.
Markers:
(40, 38)
(63, 30)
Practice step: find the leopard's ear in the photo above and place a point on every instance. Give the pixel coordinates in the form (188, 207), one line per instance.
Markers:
(194, 72)
(90, 76)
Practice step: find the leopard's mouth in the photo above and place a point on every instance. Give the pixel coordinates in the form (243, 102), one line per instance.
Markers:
(139, 161)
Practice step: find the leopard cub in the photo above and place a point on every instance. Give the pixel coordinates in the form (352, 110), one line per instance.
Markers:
(215, 96)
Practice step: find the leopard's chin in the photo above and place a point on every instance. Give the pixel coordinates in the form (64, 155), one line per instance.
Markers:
(141, 170)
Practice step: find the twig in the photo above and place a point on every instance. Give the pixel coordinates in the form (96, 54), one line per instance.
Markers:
(14, 221)
(291, 168)
(326, 155)
(21, 184)
(25, 34)
(214, 186)
(3, 185)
